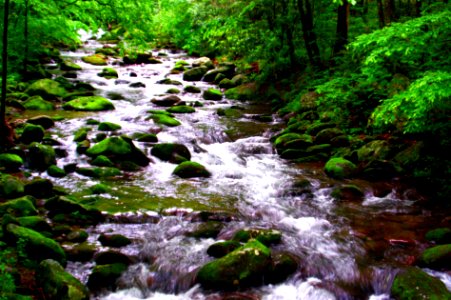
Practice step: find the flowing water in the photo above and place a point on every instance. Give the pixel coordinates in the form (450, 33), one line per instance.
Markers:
(346, 250)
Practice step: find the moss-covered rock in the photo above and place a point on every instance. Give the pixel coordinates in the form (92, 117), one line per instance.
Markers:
(265, 236)
(108, 73)
(114, 240)
(293, 141)
(167, 101)
(20, 207)
(38, 103)
(45, 121)
(99, 189)
(242, 268)
(181, 109)
(81, 134)
(326, 135)
(57, 284)
(164, 119)
(412, 284)
(112, 257)
(119, 149)
(378, 149)
(283, 265)
(105, 276)
(99, 172)
(67, 65)
(36, 223)
(75, 212)
(439, 235)
(169, 81)
(10, 162)
(32, 133)
(192, 89)
(226, 84)
(108, 126)
(47, 88)
(227, 71)
(221, 249)
(77, 236)
(96, 59)
(190, 169)
(194, 74)
(40, 157)
(340, 168)
(438, 257)
(145, 137)
(348, 192)
(35, 245)
(209, 229)
(102, 161)
(81, 252)
(55, 171)
(173, 91)
(39, 188)
(174, 153)
(243, 92)
(230, 112)
(89, 103)
(212, 94)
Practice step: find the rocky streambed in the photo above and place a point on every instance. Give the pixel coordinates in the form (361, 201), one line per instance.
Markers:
(162, 176)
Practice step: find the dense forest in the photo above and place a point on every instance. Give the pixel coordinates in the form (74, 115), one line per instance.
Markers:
(360, 90)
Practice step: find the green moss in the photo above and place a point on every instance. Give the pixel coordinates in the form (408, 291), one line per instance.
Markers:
(173, 91)
(10, 162)
(439, 235)
(378, 149)
(38, 103)
(181, 109)
(111, 146)
(114, 240)
(105, 276)
(108, 73)
(32, 133)
(19, 207)
(99, 188)
(99, 172)
(242, 92)
(89, 103)
(81, 134)
(413, 284)
(165, 120)
(40, 156)
(56, 171)
(293, 141)
(108, 126)
(438, 257)
(67, 65)
(96, 59)
(221, 249)
(340, 168)
(189, 169)
(175, 153)
(212, 94)
(36, 223)
(264, 236)
(192, 89)
(209, 229)
(102, 161)
(47, 88)
(194, 74)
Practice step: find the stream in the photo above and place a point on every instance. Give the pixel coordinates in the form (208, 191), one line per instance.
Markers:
(346, 250)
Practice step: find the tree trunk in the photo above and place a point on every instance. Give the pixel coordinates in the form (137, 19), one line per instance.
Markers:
(341, 39)
(390, 12)
(26, 50)
(4, 128)
(380, 13)
(309, 35)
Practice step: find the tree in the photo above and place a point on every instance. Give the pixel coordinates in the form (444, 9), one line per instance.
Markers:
(5, 133)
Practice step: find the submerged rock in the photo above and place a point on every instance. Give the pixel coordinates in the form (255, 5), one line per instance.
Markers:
(348, 192)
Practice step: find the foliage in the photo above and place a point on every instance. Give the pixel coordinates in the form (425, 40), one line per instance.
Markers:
(7, 284)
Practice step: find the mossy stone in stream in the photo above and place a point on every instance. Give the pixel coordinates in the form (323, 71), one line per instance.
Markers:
(195, 74)
(81, 134)
(38, 103)
(242, 268)
(378, 149)
(99, 172)
(242, 92)
(192, 89)
(348, 192)
(89, 103)
(102, 161)
(439, 235)
(55, 171)
(72, 211)
(413, 283)
(35, 245)
(174, 153)
(173, 91)
(293, 141)
(40, 157)
(77, 236)
(167, 101)
(190, 169)
(82, 252)
(230, 112)
(112, 257)
(169, 81)
(438, 257)
(10, 162)
(20, 207)
(206, 230)
(83, 146)
(340, 168)
(47, 88)
(108, 73)
(11, 186)
(36, 223)
(181, 109)
(45, 121)
(221, 249)
(105, 276)
(39, 188)
(57, 284)
(212, 94)
(264, 236)
(145, 137)
(165, 120)
(96, 59)
(108, 126)
(283, 265)
(99, 188)
(226, 84)
(114, 240)
(67, 65)
(32, 133)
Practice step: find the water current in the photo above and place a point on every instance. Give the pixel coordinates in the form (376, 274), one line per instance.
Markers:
(346, 250)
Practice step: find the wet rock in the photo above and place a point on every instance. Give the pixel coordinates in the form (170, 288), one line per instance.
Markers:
(108, 126)
(412, 283)
(181, 109)
(164, 119)
(190, 169)
(114, 240)
(340, 168)
(209, 229)
(169, 81)
(83, 146)
(439, 235)
(192, 89)
(82, 252)
(326, 135)
(36, 246)
(55, 171)
(90, 103)
(105, 276)
(380, 170)
(96, 59)
(73, 212)
(40, 157)
(58, 284)
(10, 162)
(377, 149)
(230, 112)
(112, 257)
(19, 207)
(38, 103)
(39, 188)
(70, 75)
(226, 84)
(174, 153)
(108, 73)
(221, 249)
(102, 161)
(128, 166)
(173, 91)
(283, 265)
(99, 172)
(32, 133)
(243, 92)
(119, 149)
(212, 94)
(438, 257)
(137, 85)
(48, 89)
(36, 223)
(81, 134)
(265, 236)
(195, 74)
(348, 192)
(77, 236)
(99, 188)
(67, 65)
(293, 141)
(10, 186)
(239, 79)
(203, 62)
(340, 141)
(226, 71)
(167, 101)
(145, 137)
(315, 128)
(44, 121)
(241, 268)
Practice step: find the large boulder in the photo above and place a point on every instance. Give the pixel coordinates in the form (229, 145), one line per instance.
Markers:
(89, 103)
(35, 245)
(105, 276)
(203, 62)
(438, 257)
(45, 121)
(38, 103)
(340, 168)
(96, 59)
(264, 236)
(242, 268)
(242, 92)
(10, 186)
(47, 88)
(57, 284)
(32, 133)
(378, 149)
(75, 212)
(20, 207)
(190, 169)
(194, 74)
(212, 94)
(36, 223)
(40, 157)
(413, 283)
(119, 149)
(174, 153)
(10, 162)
